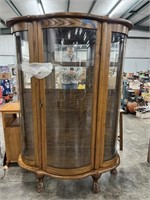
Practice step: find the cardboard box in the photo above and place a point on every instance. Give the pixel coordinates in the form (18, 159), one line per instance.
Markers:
(5, 76)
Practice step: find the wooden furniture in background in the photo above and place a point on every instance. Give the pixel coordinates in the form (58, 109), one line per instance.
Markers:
(70, 133)
(120, 136)
(12, 131)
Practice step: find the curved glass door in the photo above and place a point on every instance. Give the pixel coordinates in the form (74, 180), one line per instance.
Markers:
(69, 94)
(25, 96)
(116, 61)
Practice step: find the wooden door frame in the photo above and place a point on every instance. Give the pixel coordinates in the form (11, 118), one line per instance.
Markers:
(107, 30)
(72, 23)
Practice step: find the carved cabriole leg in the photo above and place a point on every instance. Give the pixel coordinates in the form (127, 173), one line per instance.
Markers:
(113, 171)
(95, 182)
(39, 183)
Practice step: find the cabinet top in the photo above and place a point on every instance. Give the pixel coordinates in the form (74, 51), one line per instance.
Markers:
(30, 18)
(10, 107)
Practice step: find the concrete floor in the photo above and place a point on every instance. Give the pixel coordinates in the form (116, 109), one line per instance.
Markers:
(131, 183)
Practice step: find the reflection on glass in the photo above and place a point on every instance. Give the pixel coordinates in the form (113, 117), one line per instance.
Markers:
(25, 56)
(116, 61)
(25, 87)
(71, 53)
(69, 91)
(117, 40)
(68, 53)
(70, 77)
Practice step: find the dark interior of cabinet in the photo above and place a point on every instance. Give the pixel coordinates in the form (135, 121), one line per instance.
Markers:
(27, 119)
(12, 120)
(68, 119)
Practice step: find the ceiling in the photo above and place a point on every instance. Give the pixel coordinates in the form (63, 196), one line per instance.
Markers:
(137, 11)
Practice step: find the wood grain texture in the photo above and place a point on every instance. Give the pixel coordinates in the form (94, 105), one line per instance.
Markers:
(70, 132)
(102, 94)
(100, 19)
(33, 50)
(19, 27)
(119, 28)
(77, 174)
(12, 131)
(42, 88)
(95, 88)
(13, 143)
(68, 22)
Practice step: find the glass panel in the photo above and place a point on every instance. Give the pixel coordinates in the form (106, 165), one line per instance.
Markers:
(115, 69)
(70, 50)
(25, 89)
(69, 92)
(25, 58)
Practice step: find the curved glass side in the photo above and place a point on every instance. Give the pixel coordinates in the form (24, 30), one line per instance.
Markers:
(115, 70)
(25, 96)
(69, 91)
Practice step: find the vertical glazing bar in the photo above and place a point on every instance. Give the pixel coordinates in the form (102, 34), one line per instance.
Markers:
(33, 49)
(102, 94)
(43, 144)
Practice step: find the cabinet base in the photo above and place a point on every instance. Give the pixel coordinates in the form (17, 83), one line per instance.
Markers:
(96, 174)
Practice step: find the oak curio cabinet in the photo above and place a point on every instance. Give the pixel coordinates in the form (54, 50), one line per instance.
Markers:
(69, 107)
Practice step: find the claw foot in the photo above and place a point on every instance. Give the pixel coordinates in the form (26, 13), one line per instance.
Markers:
(39, 184)
(96, 187)
(113, 171)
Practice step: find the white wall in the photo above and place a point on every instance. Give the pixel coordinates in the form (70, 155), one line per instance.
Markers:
(137, 55)
(7, 50)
